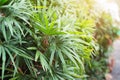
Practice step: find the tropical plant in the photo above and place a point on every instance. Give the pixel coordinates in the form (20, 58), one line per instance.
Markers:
(46, 39)
(13, 27)
(53, 35)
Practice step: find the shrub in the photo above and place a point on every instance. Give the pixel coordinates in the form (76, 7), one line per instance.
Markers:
(45, 40)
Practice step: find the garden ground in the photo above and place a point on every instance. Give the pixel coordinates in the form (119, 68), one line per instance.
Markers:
(116, 55)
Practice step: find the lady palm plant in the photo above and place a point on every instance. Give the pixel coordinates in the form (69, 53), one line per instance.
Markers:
(13, 27)
(61, 44)
(50, 43)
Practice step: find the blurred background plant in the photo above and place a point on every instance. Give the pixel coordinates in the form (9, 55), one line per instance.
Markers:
(105, 34)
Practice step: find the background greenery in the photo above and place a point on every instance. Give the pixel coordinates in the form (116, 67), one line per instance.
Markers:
(105, 34)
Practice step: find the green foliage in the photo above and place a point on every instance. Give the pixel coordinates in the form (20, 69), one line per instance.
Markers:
(54, 36)
(3, 2)
(13, 22)
(49, 39)
(44, 40)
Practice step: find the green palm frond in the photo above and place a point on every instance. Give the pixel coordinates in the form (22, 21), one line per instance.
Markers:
(14, 15)
(11, 51)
